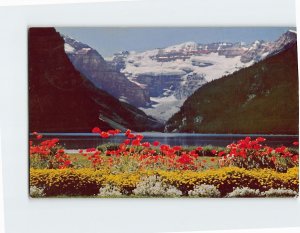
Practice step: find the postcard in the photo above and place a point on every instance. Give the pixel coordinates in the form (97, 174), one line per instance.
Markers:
(185, 112)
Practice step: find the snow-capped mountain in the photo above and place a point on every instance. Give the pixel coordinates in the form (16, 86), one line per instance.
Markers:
(158, 81)
(172, 74)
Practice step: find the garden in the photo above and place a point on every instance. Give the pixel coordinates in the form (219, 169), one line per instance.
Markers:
(137, 168)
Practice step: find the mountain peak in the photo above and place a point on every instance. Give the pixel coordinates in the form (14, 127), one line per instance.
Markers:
(74, 46)
(293, 31)
(291, 35)
(186, 46)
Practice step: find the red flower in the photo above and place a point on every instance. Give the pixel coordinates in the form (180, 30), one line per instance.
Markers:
(122, 148)
(61, 151)
(111, 132)
(117, 131)
(128, 131)
(221, 153)
(130, 135)
(296, 143)
(127, 141)
(164, 147)
(152, 152)
(39, 136)
(136, 142)
(67, 162)
(280, 149)
(213, 152)
(295, 158)
(80, 151)
(96, 130)
(243, 154)
(104, 135)
(54, 140)
(199, 148)
(139, 137)
(212, 159)
(194, 154)
(146, 144)
(185, 159)
(260, 139)
(177, 148)
(247, 139)
(155, 143)
(90, 149)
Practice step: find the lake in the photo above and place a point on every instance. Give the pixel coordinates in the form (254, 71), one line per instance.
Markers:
(88, 140)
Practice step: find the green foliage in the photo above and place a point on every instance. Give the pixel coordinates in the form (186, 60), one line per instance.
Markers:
(108, 146)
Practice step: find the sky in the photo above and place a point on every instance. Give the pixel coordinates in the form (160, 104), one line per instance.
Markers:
(109, 40)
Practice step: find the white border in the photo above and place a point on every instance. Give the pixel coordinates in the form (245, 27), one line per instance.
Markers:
(23, 215)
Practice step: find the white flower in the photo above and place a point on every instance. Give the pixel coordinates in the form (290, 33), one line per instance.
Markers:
(153, 186)
(36, 192)
(110, 190)
(204, 190)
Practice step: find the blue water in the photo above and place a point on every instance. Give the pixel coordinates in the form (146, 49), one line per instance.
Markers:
(87, 140)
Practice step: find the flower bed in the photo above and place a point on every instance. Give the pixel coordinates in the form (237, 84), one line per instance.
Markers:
(139, 168)
(89, 181)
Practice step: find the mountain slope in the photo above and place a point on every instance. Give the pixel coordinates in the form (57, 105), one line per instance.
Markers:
(262, 98)
(104, 76)
(63, 100)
